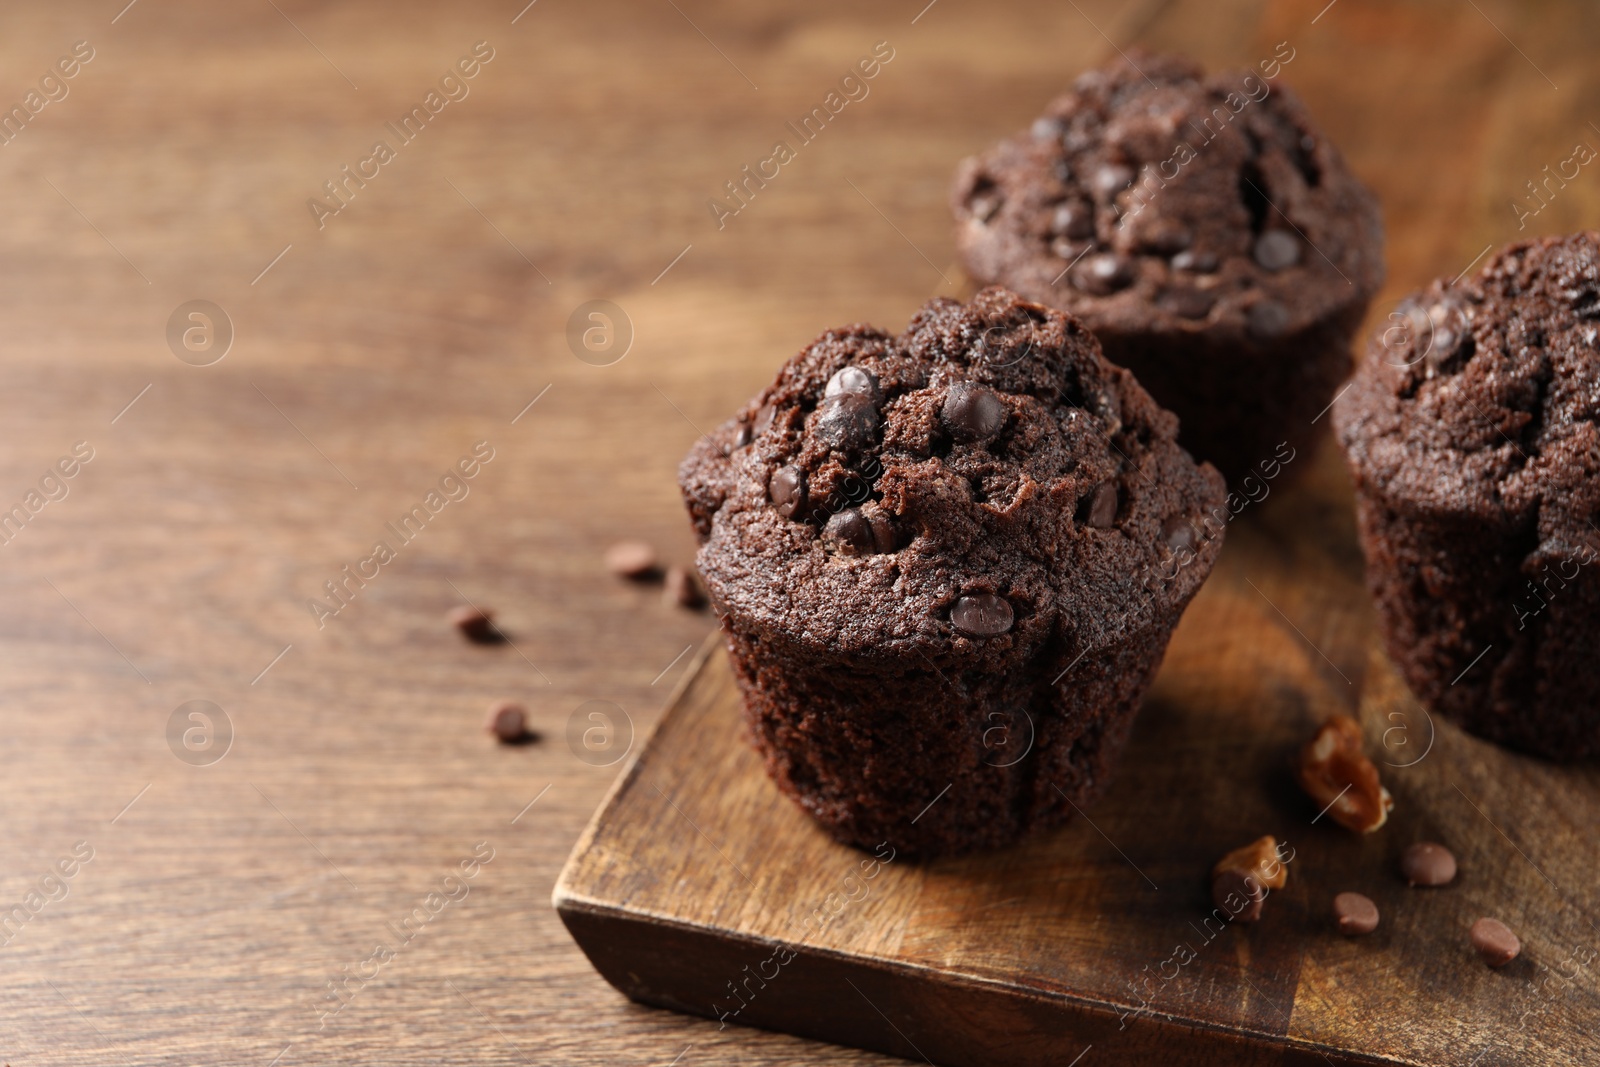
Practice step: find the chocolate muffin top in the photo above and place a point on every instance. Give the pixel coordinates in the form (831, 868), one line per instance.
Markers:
(1153, 199)
(1480, 398)
(971, 489)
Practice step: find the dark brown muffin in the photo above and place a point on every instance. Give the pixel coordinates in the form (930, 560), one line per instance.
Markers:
(948, 563)
(1202, 228)
(1470, 431)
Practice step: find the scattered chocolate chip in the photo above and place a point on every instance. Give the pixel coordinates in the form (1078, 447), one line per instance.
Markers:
(1427, 864)
(853, 380)
(1229, 887)
(1277, 250)
(1102, 274)
(1187, 303)
(743, 436)
(682, 590)
(1046, 129)
(507, 721)
(1109, 179)
(846, 421)
(787, 491)
(1495, 942)
(850, 532)
(764, 419)
(1197, 260)
(1103, 507)
(1063, 170)
(1073, 219)
(475, 624)
(1267, 319)
(1355, 914)
(982, 615)
(972, 413)
(1178, 533)
(631, 559)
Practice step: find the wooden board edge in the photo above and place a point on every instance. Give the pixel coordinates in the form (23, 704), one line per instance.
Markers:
(958, 1019)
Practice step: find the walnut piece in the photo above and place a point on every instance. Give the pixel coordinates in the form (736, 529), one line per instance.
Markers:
(1241, 880)
(1335, 772)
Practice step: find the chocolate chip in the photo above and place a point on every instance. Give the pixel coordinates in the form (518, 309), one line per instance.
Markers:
(1445, 343)
(883, 533)
(1103, 506)
(853, 380)
(1235, 889)
(1063, 171)
(1068, 249)
(1427, 864)
(1277, 250)
(1495, 942)
(681, 589)
(1355, 914)
(1408, 340)
(1073, 219)
(1165, 237)
(631, 559)
(850, 532)
(846, 421)
(1187, 303)
(1102, 274)
(972, 412)
(1178, 533)
(985, 207)
(787, 491)
(1197, 260)
(742, 436)
(1046, 129)
(507, 721)
(1267, 319)
(1109, 179)
(1447, 328)
(475, 624)
(982, 615)
(764, 418)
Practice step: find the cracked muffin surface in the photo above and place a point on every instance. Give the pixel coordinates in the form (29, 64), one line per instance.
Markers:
(1202, 227)
(915, 539)
(989, 449)
(1470, 432)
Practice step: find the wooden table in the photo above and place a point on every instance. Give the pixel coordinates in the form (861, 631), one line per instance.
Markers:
(370, 353)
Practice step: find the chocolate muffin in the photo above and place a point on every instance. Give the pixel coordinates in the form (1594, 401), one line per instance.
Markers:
(1470, 432)
(1202, 228)
(948, 564)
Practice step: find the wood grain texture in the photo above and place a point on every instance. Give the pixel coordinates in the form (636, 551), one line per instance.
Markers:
(700, 888)
(422, 319)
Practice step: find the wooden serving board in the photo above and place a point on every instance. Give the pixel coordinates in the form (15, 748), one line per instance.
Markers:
(697, 879)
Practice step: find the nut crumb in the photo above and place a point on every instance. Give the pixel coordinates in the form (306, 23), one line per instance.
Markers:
(1241, 880)
(1335, 772)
